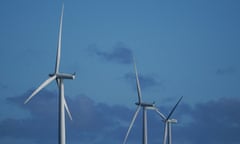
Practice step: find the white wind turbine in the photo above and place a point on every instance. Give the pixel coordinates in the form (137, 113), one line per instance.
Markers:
(140, 105)
(167, 122)
(59, 77)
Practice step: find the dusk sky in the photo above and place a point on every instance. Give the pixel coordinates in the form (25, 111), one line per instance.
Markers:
(183, 48)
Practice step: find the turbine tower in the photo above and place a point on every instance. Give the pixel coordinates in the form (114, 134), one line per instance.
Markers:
(144, 107)
(168, 122)
(59, 77)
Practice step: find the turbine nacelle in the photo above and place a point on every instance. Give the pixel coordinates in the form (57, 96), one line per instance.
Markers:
(171, 121)
(152, 105)
(63, 75)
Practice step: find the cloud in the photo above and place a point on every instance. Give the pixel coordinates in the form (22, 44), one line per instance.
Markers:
(120, 54)
(145, 81)
(212, 122)
(92, 122)
(228, 70)
(95, 123)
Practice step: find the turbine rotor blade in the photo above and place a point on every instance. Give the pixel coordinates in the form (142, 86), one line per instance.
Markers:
(67, 109)
(131, 124)
(59, 43)
(174, 108)
(138, 84)
(161, 115)
(58, 82)
(45, 83)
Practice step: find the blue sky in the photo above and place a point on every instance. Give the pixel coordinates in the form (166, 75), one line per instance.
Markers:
(182, 48)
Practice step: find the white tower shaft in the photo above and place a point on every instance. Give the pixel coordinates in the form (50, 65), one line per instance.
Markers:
(169, 133)
(62, 136)
(144, 125)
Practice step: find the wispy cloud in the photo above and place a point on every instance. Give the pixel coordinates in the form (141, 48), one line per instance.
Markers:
(94, 123)
(3, 86)
(145, 81)
(227, 70)
(119, 54)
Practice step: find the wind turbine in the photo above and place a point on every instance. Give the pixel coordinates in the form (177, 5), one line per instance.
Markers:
(167, 122)
(140, 105)
(59, 77)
